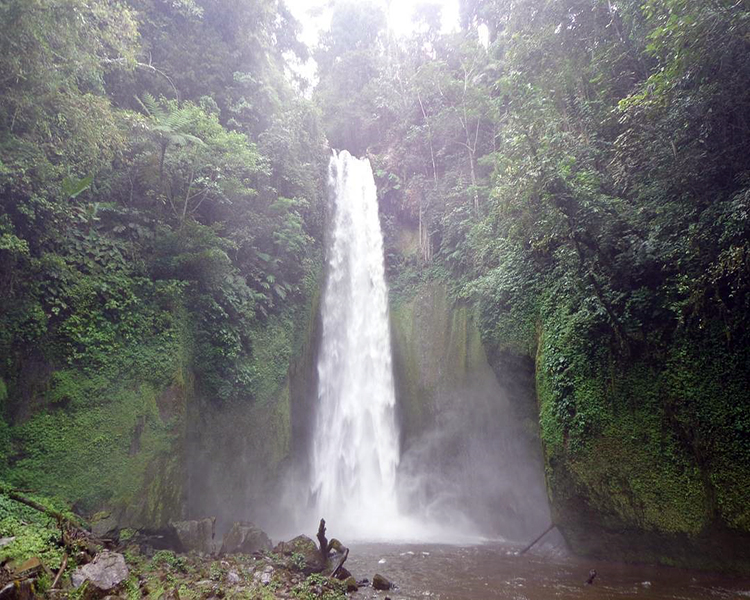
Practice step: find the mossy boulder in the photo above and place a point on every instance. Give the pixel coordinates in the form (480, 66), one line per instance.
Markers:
(306, 548)
(379, 582)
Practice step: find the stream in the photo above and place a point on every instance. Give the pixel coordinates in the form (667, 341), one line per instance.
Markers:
(494, 571)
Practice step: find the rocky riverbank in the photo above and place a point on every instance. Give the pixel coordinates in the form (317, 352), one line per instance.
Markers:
(183, 561)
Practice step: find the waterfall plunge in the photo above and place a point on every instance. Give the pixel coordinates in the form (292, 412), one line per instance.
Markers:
(356, 480)
(355, 444)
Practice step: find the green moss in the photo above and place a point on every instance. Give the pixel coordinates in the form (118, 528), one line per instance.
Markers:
(650, 443)
(409, 382)
(95, 435)
(437, 353)
(35, 534)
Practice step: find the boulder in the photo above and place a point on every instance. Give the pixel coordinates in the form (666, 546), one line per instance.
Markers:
(104, 573)
(197, 535)
(19, 590)
(233, 578)
(343, 574)
(265, 576)
(244, 538)
(381, 583)
(351, 584)
(305, 547)
(103, 523)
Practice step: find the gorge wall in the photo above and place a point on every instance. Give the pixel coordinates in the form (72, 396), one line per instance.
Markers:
(470, 441)
(109, 439)
(644, 455)
(647, 459)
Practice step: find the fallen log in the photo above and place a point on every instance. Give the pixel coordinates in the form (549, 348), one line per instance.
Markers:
(537, 539)
(13, 495)
(341, 563)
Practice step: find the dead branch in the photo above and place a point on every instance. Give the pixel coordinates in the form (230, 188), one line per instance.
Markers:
(322, 540)
(61, 571)
(13, 495)
(341, 563)
(537, 539)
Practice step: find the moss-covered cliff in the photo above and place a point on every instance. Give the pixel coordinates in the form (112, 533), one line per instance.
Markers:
(646, 445)
(239, 453)
(648, 456)
(139, 435)
(104, 438)
(471, 431)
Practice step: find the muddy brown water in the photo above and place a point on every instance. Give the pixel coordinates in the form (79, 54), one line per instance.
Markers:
(493, 571)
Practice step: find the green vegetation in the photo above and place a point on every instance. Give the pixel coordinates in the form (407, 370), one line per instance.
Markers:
(577, 179)
(35, 533)
(161, 209)
(580, 175)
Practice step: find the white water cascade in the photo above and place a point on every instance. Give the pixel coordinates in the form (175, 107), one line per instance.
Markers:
(355, 443)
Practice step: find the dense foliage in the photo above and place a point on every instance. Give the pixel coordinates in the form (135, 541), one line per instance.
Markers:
(160, 216)
(579, 169)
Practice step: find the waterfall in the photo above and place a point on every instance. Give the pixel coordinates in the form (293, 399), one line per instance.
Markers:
(355, 442)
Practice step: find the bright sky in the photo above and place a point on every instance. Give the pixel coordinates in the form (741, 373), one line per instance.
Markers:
(401, 12)
(315, 16)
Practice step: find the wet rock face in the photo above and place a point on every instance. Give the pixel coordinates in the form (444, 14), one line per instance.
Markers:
(307, 549)
(196, 536)
(104, 574)
(245, 538)
(103, 523)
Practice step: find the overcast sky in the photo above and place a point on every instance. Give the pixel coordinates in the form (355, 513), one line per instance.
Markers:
(400, 15)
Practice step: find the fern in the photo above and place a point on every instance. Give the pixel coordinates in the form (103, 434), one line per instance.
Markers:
(169, 124)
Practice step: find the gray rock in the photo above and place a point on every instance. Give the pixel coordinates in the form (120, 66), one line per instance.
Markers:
(103, 523)
(105, 573)
(244, 538)
(197, 535)
(233, 578)
(264, 576)
(6, 540)
(381, 583)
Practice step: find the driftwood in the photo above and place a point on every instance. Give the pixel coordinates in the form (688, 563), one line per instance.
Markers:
(537, 539)
(326, 547)
(323, 541)
(341, 563)
(61, 571)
